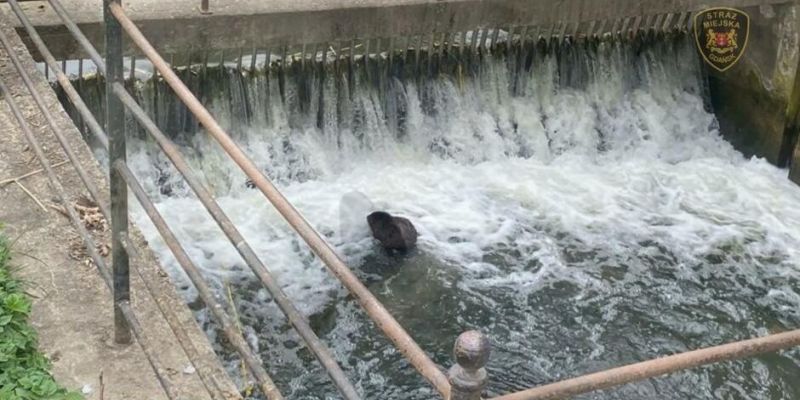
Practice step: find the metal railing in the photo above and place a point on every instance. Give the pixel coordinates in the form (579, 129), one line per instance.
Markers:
(466, 379)
(121, 178)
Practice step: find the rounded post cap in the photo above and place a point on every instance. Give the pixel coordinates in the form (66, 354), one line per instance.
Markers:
(472, 350)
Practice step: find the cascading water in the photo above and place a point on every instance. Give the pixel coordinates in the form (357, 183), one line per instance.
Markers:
(576, 203)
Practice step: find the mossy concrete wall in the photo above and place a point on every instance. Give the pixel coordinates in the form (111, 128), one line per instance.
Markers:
(756, 100)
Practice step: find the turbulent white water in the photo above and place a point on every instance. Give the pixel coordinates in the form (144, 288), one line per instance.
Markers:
(592, 217)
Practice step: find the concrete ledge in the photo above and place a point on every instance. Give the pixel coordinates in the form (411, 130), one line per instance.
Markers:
(178, 26)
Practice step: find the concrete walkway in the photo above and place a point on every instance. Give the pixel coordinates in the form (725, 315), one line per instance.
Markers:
(72, 308)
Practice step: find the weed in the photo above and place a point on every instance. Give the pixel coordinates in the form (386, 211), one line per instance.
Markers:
(23, 370)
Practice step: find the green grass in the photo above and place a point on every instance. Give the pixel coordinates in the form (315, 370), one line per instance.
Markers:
(24, 372)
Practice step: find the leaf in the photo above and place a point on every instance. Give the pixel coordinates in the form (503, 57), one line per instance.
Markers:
(17, 303)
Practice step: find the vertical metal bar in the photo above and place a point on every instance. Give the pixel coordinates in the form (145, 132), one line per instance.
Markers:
(496, 34)
(417, 50)
(133, 68)
(253, 60)
(204, 6)
(115, 126)
(468, 376)
(390, 54)
(440, 50)
(484, 38)
(352, 52)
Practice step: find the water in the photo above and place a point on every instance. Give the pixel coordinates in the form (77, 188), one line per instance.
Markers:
(577, 204)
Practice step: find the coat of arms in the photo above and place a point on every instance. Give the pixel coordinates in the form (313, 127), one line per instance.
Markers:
(721, 35)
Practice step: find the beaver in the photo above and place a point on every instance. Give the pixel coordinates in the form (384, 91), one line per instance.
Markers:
(394, 233)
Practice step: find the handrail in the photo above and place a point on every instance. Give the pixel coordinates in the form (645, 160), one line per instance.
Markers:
(170, 317)
(90, 244)
(236, 339)
(377, 312)
(660, 366)
(252, 260)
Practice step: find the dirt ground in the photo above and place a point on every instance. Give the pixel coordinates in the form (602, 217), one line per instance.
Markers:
(72, 308)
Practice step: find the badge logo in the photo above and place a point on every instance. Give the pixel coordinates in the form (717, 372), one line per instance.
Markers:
(721, 35)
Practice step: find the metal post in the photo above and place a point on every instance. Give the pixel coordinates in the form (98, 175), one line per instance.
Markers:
(467, 377)
(115, 121)
(204, 7)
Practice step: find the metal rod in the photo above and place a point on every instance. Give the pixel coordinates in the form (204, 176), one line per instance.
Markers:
(79, 36)
(73, 158)
(91, 246)
(661, 366)
(115, 126)
(132, 72)
(321, 248)
(87, 116)
(352, 52)
(292, 314)
(62, 78)
(206, 294)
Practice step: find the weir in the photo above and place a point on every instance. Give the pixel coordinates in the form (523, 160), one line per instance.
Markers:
(755, 102)
(581, 180)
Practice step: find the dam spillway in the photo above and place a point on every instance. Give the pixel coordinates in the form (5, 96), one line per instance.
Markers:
(573, 197)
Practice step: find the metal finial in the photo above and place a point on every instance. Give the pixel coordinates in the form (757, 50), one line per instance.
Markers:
(468, 377)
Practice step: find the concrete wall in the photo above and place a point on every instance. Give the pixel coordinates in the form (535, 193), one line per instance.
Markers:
(753, 100)
(176, 26)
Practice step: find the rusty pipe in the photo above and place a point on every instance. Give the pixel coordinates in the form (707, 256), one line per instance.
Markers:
(73, 158)
(90, 244)
(660, 366)
(377, 312)
(62, 78)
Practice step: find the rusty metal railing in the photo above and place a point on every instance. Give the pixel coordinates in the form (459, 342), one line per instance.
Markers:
(376, 311)
(238, 342)
(124, 307)
(466, 379)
